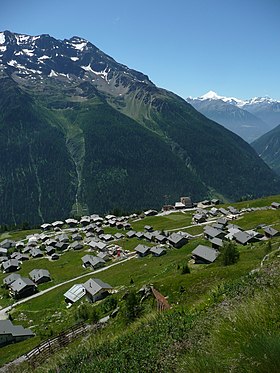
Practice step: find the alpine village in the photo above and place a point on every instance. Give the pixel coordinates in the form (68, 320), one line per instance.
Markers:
(136, 234)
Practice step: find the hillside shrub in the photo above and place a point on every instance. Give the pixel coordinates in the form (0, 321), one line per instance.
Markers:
(185, 269)
(132, 308)
(230, 254)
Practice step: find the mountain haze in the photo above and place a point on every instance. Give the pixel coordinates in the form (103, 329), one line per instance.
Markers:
(249, 119)
(82, 133)
(268, 148)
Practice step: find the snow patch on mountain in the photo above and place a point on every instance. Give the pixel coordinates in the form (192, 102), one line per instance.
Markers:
(52, 74)
(41, 59)
(21, 39)
(28, 52)
(2, 38)
(79, 46)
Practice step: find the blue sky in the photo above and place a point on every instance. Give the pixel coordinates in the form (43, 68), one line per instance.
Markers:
(186, 46)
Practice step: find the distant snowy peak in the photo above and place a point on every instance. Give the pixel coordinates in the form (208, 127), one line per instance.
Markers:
(211, 95)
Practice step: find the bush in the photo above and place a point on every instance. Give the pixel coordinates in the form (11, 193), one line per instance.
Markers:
(185, 269)
(109, 304)
(132, 307)
(230, 254)
(268, 247)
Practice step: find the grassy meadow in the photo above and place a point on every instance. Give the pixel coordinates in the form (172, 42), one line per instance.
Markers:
(210, 304)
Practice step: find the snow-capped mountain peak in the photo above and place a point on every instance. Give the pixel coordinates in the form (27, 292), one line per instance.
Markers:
(211, 95)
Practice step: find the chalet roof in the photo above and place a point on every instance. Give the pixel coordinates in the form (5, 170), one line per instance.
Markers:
(63, 237)
(46, 226)
(160, 238)
(206, 253)
(175, 238)
(233, 210)
(50, 242)
(75, 293)
(102, 255)
(157, 250)
(71, 221)
(199, 217)
(36, 252)
(224, 211)
(217, 226)
(101, 245)
(179, 205)
(213, 211)
(212, 232)
(242, 237)
(10, 263)
(254, 233)
(92, 260)
(22, 257)
(270, 231)
(149, 236)
(7, 243)
(49, 249)
(139, 234)
(11, 278)
(58, 223)
(7, 328)
(76, 245)
(130, 234)
(37, 274)
(3, 251)
(150, 212)
(118, 236)
(142, 249)
(216, 241)
(21, 283)
(222, 221)
(94, 285)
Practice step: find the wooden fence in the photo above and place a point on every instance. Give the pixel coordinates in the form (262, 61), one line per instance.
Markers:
(45, 349)
(162, 303)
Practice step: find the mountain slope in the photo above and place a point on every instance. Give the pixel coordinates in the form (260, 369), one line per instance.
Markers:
(103, 136)
(268, 148)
